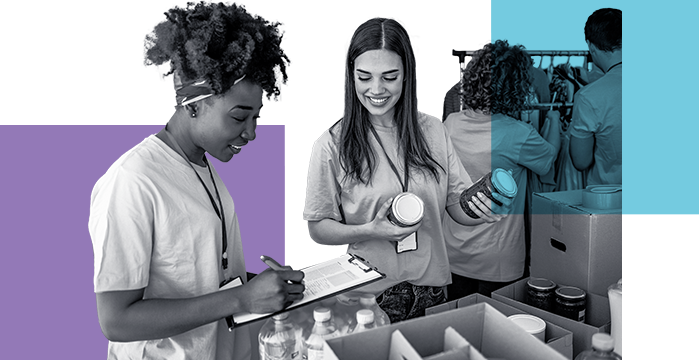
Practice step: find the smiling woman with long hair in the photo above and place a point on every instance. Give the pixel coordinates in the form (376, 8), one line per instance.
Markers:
(380, 148)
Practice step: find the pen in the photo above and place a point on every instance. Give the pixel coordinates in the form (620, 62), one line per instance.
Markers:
(273, 264)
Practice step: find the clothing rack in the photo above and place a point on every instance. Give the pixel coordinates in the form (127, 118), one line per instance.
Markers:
(461, 54)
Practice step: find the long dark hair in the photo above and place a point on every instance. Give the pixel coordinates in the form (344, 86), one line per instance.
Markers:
(356, 158)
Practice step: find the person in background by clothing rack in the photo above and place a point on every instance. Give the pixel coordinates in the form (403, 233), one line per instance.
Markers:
(595, 141)
(488, 135)
(163, 225)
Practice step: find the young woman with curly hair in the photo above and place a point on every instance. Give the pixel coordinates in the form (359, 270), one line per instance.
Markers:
(163, 225)
(381, 147)
(488, 135)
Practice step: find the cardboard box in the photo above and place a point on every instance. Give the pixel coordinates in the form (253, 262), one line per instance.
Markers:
(493, 335)
(573, 245)
(597, 315)
(555, 337)
(455, 348)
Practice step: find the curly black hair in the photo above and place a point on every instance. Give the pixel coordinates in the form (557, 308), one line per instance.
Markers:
(219, 43)
(477, 80)
(512, 84)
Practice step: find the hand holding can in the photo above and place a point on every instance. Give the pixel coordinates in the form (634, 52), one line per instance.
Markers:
(497, 181)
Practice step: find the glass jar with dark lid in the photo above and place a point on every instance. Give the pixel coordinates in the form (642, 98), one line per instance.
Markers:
(570, 303)
(540, 293)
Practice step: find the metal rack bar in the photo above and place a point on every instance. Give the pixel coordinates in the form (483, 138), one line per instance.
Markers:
(542, 53)
(550, 105)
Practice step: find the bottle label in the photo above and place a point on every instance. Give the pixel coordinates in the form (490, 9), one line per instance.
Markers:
(315, 354)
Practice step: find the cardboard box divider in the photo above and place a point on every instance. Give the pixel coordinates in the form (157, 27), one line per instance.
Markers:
(485, 328)
(556, 337)
(455, 348)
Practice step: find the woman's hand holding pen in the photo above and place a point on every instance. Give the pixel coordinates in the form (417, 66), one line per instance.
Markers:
(385, 229)
(271, 290)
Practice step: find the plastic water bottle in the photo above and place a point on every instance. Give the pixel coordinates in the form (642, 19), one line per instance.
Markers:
(324, 328)
(365, 321)
(345, 309)
(602, 349)
(277, 339)
(368, 301)
(614, 293)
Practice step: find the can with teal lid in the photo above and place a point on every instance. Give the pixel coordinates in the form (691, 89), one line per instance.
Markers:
(498, 180)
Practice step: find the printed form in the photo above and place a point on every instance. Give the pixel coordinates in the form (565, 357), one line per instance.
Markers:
(326, 279)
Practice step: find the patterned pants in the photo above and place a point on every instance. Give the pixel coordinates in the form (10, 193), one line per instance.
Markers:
(406, 301)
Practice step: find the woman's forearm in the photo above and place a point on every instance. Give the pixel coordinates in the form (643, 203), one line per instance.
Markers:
(331, 232)
(147, 319)
(457, 214)
(126, 316)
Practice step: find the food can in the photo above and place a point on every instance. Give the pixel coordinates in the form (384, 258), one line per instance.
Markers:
(531, 324)
(406, 210)
(498, 180)
(540, 293)
(570, 303)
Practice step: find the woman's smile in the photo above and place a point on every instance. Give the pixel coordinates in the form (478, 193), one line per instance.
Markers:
(378, 101)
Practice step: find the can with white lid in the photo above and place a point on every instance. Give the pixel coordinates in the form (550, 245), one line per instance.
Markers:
(406, 210)
(531, 324)
(498, 180)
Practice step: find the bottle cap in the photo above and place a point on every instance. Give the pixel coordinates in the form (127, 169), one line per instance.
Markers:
(281, 316)
(603, 342)
(365, 316)
(348, 298)
(530, 324)
(570, 292)
(367, 299)
(321, 314)
(541, 284)
(504, 183)
(407, 208)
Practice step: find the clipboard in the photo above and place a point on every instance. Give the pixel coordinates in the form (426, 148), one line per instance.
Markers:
(323, 280)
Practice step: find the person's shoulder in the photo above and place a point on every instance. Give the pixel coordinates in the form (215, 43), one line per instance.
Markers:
(512, 123)
(330, 137)
(427, 120)
(138, 160)
(608, 82)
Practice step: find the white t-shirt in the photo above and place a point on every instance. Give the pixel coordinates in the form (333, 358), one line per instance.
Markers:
(328, 191)
(153, 226)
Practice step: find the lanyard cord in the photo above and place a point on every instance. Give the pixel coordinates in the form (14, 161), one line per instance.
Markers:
(221, 215)
(404, 185)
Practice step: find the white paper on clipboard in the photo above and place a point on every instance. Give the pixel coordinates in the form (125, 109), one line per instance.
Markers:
(325, 279)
